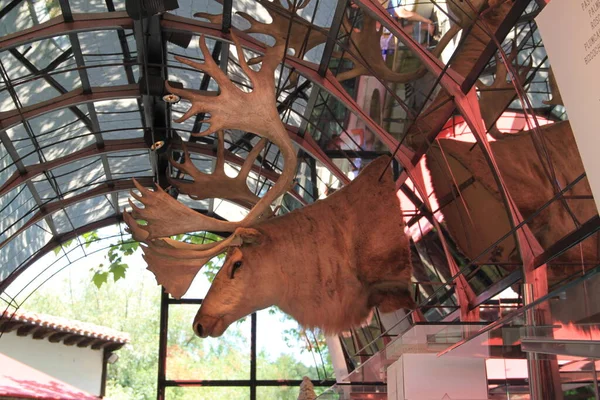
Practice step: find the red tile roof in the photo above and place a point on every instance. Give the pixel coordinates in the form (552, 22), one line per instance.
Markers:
(18, 380)
(65, 325)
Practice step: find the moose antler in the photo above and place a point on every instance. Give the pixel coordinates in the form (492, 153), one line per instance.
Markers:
(218, 185)
(175, 263)
(496, 97)
(286, 26)
(161, 211)
(255, 112)
(556, 99)
(365, 48)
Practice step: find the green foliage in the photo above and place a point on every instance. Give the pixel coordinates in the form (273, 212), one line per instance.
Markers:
(100, 278)
(118, 269)
(86, 240)
(128, 308)
(53, 8)
(66, 244)
(585, 392)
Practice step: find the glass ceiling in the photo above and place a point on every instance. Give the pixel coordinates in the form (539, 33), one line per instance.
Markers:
(75, 118)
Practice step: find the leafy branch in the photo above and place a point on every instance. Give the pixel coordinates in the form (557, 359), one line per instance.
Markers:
(116, 266)
(88, 239)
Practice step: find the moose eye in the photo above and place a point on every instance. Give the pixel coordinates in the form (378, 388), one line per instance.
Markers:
(236, 265)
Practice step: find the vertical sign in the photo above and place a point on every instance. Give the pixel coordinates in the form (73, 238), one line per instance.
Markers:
(570, 31)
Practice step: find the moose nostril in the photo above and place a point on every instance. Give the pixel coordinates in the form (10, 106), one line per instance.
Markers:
(198, 330)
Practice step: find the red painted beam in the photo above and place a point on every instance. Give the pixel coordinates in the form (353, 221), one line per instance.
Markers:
(34, 170)
(112, 146)
(308, 144)
(55, 242)
(57, 26)
(174, 23)
(8, 119)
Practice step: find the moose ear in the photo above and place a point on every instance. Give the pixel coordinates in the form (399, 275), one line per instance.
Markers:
(248, 236)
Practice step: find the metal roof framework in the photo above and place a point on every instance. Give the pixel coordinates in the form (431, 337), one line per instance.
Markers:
(79, 108)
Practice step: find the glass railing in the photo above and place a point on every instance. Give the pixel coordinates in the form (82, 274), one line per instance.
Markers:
(572, 303)
(355, 392)
(562, 339)
(556, 336)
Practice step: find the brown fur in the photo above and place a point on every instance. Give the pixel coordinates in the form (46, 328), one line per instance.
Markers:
(527, 185)
(327, 264)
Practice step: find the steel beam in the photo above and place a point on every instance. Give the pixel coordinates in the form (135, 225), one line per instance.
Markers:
(124, 46)
(258, 382)
(308, 144)
(227, 14)
(156, 118)
(52, 82)
(363, 154)
(163, 344)
(9, 7)
(332, 35)
(578, 235)
(253, 328)
(113, 146)
(50, 208)
(58, 26)
(11, 118)
(56, 241)
(498, 287)
(563, 347)
(176, 23)
(504, 28)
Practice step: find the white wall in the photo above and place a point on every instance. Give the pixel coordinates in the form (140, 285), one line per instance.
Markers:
(429, 377)
(573, 53)
(80, 367)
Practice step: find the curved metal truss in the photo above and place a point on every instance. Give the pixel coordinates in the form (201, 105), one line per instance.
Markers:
(82, 104)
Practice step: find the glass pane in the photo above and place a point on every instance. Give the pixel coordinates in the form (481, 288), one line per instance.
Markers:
(207, 393)
(192, 358)
(286, 351)
(26, 14)
(282, 392)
